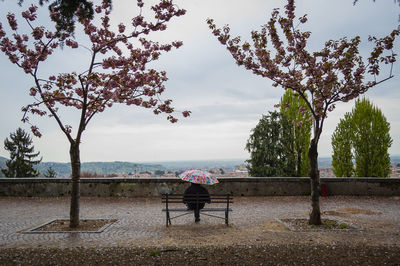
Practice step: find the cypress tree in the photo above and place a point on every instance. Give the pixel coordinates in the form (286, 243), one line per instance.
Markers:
(342, 158)
(299, 120)
(371, 140)
(363, 137)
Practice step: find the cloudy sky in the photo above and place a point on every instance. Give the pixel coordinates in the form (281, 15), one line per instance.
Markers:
(226, 101)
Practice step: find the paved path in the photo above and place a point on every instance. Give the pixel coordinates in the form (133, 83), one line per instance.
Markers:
(141, 223)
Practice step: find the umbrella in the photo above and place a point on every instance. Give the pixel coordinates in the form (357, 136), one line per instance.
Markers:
(198, 177)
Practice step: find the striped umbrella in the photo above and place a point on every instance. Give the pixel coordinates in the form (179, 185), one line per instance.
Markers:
(198, 177)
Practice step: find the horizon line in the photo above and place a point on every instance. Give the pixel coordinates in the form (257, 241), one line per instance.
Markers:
(174, 161)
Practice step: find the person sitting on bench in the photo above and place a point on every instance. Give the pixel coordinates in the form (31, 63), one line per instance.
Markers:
(189, 199)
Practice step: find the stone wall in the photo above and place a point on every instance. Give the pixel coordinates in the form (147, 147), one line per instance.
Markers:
(154, 187)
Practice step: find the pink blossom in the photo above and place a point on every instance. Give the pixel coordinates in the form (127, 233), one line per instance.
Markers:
(137, 21)
(35, 131)
(172, 119)
(32, 91)
(137, 101)
(30, 14)
(26, 65)
(121, 28)
(105, 4)
(54, 15)
(33, 8)
(37, 33)
(13, 58)
(71, 43)
(11, 21)
(68, 129)
(186, 113)
(177, 44)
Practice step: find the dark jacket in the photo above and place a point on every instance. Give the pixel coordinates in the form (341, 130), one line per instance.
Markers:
(189, 197)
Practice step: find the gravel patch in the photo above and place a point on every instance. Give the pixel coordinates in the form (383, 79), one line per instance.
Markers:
(302, 225)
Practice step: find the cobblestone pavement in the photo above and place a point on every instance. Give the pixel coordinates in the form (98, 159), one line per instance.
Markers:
(140, 222)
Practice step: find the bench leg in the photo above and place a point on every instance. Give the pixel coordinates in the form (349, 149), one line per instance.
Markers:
(168, 219)
(226, 218)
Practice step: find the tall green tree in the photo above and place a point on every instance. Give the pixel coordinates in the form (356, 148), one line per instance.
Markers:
(363, 135)
(267, 144)
(22, 155)
(288, 156)
(371, 140)
(295, 110)
(342, 158)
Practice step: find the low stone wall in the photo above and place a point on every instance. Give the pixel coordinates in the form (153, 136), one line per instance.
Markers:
(154, 187)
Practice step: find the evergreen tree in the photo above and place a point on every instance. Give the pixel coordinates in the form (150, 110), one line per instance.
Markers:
(22, 155)
(363, 135)
(279, 144)
(299, 119)
(342, 158)
(371, 140)
(69, 12)
(268, 156)
(50, 173)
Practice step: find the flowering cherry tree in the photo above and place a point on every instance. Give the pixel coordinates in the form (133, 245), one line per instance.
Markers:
(116, 71)
(337, 73)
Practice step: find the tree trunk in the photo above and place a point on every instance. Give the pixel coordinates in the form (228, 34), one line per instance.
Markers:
(315, 215)
(75, 189)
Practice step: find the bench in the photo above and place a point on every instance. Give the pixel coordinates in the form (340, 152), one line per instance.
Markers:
(173, 203)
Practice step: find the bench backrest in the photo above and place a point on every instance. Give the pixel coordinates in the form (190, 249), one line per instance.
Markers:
(194, 198)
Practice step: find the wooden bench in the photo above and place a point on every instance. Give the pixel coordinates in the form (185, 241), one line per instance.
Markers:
(174, 202)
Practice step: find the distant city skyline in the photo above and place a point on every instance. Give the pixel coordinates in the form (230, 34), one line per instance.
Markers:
(226, 101)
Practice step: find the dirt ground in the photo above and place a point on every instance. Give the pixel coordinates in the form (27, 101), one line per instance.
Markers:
(289, 254)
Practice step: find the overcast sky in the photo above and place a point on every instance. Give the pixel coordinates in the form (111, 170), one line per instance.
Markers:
(226, 101)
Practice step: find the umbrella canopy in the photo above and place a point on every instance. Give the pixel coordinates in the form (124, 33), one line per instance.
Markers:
(198, 177)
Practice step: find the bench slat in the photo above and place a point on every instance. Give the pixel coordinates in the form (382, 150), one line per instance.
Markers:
(181, 201)
(215, 209)
(181, 195)
(202, 210)
(212, 199)
(194, 195)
